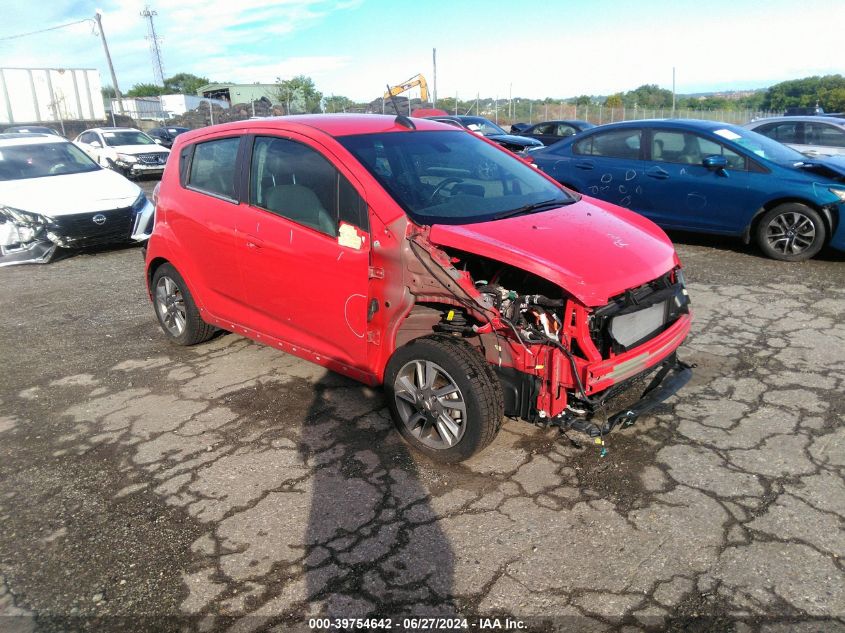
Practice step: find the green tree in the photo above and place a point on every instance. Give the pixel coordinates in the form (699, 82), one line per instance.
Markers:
(184, 83)
(827, 91)
(145, 90)
(614, 101)
(583, 100)
(299, 95)
(648, 96)
(108, 92)
(338, 103)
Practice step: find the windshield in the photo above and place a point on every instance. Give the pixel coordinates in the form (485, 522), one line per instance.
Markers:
(760, 145)
(482, 125)
(43, 159)
(450, 177)
(176, 131)
(127, 137)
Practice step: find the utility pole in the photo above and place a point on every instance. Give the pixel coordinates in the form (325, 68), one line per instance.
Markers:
(434, 61)
(98, 16)
(510, 100)
(673, 92)
(155, 50)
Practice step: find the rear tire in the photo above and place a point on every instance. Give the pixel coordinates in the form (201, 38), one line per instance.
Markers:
(791, 232)
(174, 306)
(445, 399)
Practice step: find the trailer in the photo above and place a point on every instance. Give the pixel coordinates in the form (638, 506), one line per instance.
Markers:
(50, 95)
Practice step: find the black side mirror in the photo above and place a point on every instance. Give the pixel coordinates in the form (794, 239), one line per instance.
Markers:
(715, 162)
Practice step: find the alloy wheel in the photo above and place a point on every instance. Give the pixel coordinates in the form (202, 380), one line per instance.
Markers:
(790, 233)
(430, 404)
(171, 306)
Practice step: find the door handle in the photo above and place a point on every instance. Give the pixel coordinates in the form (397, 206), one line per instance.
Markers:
(657, 172)
(253, 243)
(584, 164)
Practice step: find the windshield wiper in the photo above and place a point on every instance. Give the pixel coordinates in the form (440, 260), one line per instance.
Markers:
(532, 208)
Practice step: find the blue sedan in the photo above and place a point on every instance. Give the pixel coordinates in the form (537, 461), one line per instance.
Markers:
(708, 177)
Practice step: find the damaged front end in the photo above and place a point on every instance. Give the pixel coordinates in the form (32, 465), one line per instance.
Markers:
(32, 238)
(23, 238)
(559, 361)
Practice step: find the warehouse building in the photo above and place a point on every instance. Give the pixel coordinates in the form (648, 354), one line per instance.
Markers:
(241, 93)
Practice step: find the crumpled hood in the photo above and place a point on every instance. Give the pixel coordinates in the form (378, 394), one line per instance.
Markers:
(516, 140)
(89, 191)
(591, 249)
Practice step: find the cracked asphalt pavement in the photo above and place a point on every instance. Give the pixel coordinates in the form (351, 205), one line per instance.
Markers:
(231, 487)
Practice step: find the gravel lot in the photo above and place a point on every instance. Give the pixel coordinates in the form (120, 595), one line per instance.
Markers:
(146, 487)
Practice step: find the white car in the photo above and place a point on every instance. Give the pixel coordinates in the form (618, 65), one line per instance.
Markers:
(124, 149)
(53, 195)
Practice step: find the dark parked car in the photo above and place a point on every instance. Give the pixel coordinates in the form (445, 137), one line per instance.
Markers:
(166, 134)
(519, 128)
(709, 177)
(549, 132)
(488, 129)
(31, 129)
(804, 111)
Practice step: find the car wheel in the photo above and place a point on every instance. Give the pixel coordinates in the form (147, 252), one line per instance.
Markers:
(791, 232)
(445, 399)
(175, 308)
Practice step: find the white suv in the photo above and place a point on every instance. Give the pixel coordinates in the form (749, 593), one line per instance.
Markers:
(126, 150)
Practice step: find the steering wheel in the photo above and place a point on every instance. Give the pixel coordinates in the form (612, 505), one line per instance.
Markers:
(55, 168)
(443, 183)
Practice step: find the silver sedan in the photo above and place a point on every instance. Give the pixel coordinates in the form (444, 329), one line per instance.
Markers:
(810, 135)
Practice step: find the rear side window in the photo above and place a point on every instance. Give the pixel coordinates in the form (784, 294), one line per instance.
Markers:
(213, 167)
(296, 182)
(786, 132)
(612, 144)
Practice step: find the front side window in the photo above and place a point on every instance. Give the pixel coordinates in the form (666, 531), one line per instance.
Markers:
(687, 148)
(445, 177)
(543, 128)
(786, 132)
(296, 182)
(213, 167)
(823, 134)
(613, 144)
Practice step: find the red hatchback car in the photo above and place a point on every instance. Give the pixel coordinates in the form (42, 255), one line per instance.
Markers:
(408, 253)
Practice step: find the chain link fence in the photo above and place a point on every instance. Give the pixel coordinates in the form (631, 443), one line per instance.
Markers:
(507, 114)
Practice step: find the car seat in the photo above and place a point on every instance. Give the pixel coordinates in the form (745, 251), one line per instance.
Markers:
(301, 205)
(657, 150)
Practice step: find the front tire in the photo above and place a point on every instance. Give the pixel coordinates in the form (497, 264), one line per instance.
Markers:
(445, 399)
(175, 308)
(791, 232)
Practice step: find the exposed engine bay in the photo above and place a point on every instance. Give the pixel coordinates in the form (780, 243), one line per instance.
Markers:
(559, 361)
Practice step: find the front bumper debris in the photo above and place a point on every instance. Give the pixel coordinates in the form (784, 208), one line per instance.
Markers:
(672, 374)
(29, 238)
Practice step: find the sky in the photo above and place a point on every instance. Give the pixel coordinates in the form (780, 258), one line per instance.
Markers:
(495, 48)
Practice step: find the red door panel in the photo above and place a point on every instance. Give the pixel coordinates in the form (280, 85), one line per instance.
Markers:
(304, 287)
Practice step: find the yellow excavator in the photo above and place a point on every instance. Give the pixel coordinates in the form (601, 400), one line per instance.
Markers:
(405, 86)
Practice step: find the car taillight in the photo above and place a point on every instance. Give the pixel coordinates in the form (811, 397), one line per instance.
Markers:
(155, 194)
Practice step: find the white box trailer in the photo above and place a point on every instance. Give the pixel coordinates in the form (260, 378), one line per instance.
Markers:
(50, 95)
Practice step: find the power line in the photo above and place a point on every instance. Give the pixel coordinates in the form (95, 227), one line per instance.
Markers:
(52, 28)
